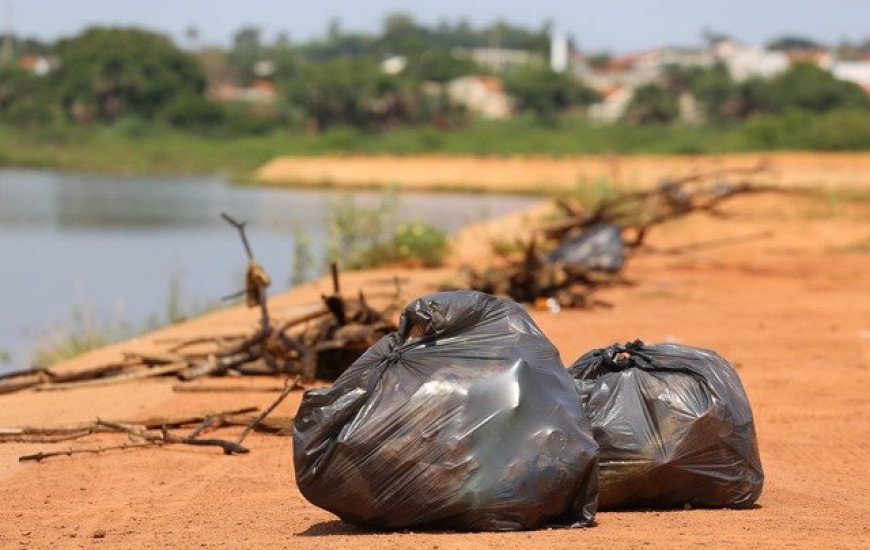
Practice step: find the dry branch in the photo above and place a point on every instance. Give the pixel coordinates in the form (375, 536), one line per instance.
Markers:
(289, 386)
(166, 438)
(149, 372)
(41, 455)
(211, 388)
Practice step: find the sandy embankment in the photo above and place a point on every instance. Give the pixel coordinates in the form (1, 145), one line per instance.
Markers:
(792, 313)
(538, 174)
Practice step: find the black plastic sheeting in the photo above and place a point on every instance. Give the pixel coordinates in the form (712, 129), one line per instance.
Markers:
(674, 427)
(464, 419)
(599, 247)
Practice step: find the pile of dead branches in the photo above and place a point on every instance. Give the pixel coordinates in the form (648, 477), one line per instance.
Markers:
(563, 263)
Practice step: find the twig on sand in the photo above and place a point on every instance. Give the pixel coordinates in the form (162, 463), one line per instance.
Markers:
(289, 386)
(40, 456)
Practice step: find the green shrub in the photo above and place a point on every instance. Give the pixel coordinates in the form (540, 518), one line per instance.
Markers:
(368, 236)
(846, 130)
(421, 242)
(191, 111)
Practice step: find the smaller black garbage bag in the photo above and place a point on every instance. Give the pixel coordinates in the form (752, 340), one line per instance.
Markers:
(464, 419)
(674, 427)
(599, 247)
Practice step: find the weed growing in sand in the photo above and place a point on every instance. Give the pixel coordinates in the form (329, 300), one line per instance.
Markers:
(368, 236)
(859, 247)
(591, 194)
(86, 329)
(418, 242)
(304, 263)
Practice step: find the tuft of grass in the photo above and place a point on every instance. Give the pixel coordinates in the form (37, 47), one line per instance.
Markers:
(367, 236)
(421, 243)
(303, 257)
(591, 194)
(860, 246)
(506, 247)
(86, 330)
(83, 332)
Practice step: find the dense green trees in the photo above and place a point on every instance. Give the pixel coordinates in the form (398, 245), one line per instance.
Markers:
(807, 87)
(143, 80)
(351, 91)
(804, 87)
(106, 73)
(652, 103)
(22, 97)
(547, 93)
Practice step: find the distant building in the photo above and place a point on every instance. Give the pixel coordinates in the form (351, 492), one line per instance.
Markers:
(857, 72)
(617, 79)
(639, 68)
(481, 95)
(745, 62)
(260, 92)
(394, 64)
(613, 105)
(39, 65)
(500, 60)
(821, 57)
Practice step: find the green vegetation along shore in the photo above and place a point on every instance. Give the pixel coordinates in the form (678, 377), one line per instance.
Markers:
(129, 147)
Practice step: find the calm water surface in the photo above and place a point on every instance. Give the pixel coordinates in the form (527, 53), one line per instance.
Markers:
(114, 245)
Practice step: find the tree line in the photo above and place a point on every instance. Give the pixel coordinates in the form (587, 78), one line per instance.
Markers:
(112, 75)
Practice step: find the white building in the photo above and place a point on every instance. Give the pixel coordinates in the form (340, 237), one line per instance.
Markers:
(482, 95)
(853, 71)
(499, 60)
(745, 62)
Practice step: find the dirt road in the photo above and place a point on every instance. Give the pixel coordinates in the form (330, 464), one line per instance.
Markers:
(791, 312)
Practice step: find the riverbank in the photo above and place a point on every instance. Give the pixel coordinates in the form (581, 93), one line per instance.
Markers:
(785, 310)
(139, 148)
(540, 175)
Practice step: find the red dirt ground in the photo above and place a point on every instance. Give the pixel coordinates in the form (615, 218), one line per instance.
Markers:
(791, 312)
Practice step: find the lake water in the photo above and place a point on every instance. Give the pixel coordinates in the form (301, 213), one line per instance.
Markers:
(114, 246)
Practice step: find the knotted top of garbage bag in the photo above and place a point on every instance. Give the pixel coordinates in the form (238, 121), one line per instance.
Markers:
(704, 365)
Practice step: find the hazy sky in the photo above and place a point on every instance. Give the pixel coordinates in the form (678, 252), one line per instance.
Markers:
(598, 24)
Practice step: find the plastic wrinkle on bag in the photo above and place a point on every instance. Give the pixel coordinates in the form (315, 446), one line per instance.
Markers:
(599, 247)
(674, 427)
(464, 419)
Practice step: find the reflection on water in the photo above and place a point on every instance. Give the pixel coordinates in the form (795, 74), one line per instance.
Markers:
(117, 243)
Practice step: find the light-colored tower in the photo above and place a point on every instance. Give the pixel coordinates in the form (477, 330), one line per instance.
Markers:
(558, 53)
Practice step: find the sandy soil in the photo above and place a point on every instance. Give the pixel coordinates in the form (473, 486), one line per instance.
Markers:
(538, 174)
(791, 312)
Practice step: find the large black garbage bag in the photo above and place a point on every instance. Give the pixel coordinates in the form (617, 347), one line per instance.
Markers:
(599, 247)
(674, 427)
(464, 419)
